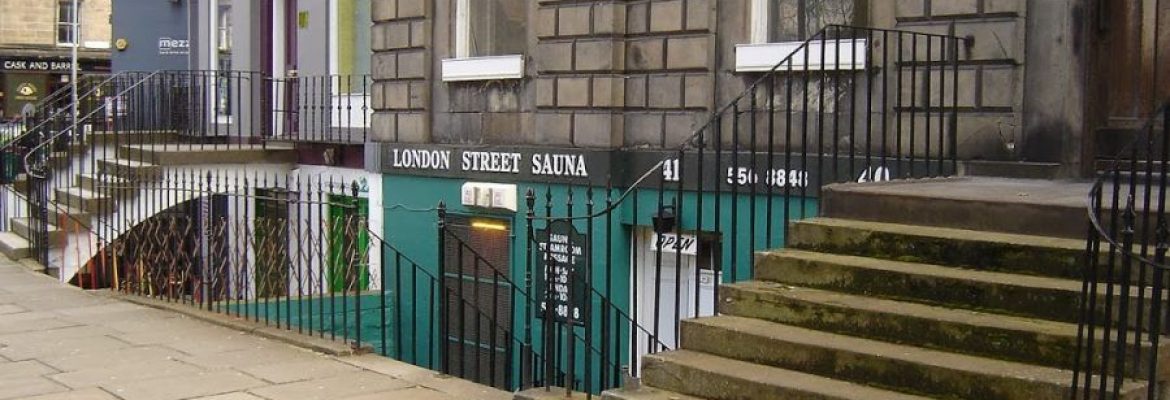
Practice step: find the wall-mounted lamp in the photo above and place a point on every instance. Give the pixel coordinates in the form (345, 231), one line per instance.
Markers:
(665, 219)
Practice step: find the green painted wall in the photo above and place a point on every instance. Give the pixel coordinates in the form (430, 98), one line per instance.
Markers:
(411, 226)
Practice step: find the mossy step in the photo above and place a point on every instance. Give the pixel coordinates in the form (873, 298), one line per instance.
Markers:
(1050, 298)
(986, 251)
(644, 393)
(892, 366)
(1026, 340)
(718, 378)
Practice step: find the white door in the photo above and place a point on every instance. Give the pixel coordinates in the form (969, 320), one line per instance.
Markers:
(666, 290)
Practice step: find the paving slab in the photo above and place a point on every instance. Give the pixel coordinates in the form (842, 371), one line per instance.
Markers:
(413, 393)
(26, 368)
(358, 383)
(61, 343)
(233, 396)
(299, 371)
(28, 386)
(101, 359)
(91, 393)
(121, 374)
(185, 386)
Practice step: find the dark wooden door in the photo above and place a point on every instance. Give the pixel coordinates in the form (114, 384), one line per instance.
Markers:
(1128, 70)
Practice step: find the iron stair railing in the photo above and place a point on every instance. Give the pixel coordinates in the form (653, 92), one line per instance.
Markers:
(847, 104)
(1125, 250)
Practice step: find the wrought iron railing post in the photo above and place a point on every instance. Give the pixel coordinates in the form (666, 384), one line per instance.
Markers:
(357, 294)
(528, 365)
(444, 318)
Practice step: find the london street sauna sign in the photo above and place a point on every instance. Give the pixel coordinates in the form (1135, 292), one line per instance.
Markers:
(497, 163)
(560, 283)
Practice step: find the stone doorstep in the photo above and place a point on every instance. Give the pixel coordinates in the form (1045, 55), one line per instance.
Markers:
(326, 346)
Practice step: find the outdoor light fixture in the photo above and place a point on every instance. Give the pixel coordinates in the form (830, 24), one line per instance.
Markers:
(664, 220)
(489, 225)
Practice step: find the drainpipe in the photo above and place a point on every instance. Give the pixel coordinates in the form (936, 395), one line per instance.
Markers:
(73, 65)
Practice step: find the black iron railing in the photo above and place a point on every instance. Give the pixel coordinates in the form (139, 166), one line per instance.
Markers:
(847, 105)
(1125, 252)
(322, 109)
(296, 252)
(543, 349)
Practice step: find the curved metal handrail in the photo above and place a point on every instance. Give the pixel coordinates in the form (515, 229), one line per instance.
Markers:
(87, 116)
(1093, 198)
(17, 139)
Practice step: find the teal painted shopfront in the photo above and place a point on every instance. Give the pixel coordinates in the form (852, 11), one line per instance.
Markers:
(639, 282)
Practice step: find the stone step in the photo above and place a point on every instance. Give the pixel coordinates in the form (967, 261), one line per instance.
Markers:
(102, 183)
(891, 366)
(643, 393)
(122, 136)
(1025, 340)
(64, 215)
(14, 246)
(979, 250)
(23, 228)
(1055, 299)
(718, 378)
(84, 199)
(130, 170)
(1022, 206)
(1009, 169)
(187, 154)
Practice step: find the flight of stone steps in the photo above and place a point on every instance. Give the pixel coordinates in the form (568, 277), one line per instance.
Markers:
(884, 298)
(94, 189)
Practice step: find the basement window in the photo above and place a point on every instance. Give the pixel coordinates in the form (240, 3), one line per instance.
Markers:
(490, 39)
(778, 27)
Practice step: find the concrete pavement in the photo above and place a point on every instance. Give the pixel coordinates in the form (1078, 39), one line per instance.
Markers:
(61, 343)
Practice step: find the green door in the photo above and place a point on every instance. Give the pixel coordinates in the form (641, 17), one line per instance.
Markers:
(349, 243)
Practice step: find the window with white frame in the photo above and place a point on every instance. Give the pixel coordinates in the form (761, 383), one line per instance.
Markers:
(775, 21)
(66, 15)
(491, 37)
(778, 27)
(491, 27)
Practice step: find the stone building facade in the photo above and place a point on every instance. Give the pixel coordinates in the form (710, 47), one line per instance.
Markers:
(35, 47)
(623, 74)
(34, 23)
